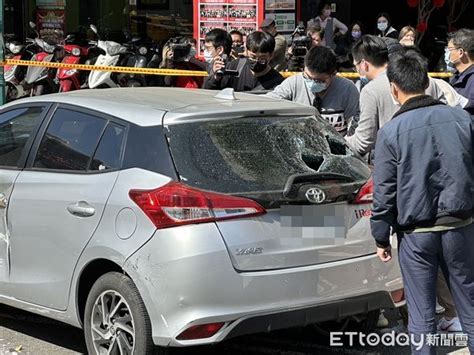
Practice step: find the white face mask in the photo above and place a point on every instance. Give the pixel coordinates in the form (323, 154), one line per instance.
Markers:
(382, 26)
(208, 56)
(450, 65)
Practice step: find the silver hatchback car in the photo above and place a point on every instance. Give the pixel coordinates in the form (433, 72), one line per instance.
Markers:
(171, 218)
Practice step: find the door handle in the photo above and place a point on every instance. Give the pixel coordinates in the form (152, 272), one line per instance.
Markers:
(81, 209)
(3, 201)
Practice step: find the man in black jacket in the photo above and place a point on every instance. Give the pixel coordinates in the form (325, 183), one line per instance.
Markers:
(252, 73)
(423, 189)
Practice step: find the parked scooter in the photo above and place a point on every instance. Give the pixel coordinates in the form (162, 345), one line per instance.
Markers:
(15, 74)
(76, 52)
(111, 56)
(41, 80)
(144, 54)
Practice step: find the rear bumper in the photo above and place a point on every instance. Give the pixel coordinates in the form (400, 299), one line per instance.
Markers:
(323, 312)
(185, 277)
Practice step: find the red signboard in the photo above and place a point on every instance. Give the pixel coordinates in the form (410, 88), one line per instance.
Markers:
(241, 15)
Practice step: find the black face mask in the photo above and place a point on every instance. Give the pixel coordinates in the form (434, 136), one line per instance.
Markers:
(256, 66)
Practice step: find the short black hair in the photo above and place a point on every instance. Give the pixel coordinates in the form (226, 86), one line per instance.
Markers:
(220, 38)
(409, 71)
(464, 38)
(321, 60)
(371, 48)
(260, 42)
(236, 32)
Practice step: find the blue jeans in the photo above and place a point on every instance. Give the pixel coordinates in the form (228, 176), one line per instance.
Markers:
(420, 254)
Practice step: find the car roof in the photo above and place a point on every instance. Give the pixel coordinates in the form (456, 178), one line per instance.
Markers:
(148, 106)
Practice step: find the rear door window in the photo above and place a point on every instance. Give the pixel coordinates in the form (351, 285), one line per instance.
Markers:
(109, 151)
(16, 128)
(70, 141)
(259, 157)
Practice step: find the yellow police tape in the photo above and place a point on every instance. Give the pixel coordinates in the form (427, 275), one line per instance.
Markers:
(152, 71)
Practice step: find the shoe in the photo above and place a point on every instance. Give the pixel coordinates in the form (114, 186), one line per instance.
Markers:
(452, 325)
(398, 329)
(439, 308)
(382, 322)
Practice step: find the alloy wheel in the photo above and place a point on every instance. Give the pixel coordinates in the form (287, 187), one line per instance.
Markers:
(112, 325)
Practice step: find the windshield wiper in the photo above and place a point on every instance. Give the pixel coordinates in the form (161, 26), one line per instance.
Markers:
(291, 186)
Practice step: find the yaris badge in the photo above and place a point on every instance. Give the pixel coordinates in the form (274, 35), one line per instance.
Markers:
(315, 195)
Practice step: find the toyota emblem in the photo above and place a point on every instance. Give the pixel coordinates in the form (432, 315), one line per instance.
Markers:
(315, 195)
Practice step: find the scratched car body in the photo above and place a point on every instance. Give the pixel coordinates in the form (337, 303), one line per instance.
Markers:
(171, 218)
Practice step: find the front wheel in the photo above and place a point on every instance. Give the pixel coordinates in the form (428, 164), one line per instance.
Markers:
(115, 320)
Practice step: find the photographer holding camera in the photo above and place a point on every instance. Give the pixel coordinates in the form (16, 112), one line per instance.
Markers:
(180, 53)
(301, 43)
(336, 98)
(252, 73)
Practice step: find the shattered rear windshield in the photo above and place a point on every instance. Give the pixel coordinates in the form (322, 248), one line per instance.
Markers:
(249, 155)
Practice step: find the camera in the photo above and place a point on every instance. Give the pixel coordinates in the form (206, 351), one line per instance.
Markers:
(225, 71)
(300, 41)
(181, 48)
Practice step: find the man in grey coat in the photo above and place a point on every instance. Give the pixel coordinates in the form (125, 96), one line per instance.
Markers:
(336, 98)
(377, 107)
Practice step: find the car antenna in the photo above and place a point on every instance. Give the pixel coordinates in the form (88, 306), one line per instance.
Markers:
(226, 94)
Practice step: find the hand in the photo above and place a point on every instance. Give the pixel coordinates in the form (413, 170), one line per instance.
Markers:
(385, 254)
(217, 65)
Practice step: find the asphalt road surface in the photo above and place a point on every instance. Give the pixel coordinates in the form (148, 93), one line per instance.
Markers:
(25, 333)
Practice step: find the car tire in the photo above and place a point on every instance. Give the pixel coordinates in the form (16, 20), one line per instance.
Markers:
(127, 324)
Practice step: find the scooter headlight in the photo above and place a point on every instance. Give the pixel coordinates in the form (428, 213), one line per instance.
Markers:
(114, 49)
(15, 48)
(143, 50)
(76, 52)
(71, 72)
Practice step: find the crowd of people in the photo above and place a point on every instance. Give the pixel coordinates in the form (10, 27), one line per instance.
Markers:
(416, 132)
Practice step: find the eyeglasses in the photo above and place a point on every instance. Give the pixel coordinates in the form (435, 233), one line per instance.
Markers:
(451, 49)
(260, 60)
(306, 77)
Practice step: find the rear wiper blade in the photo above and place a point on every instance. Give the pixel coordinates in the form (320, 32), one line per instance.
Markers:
(291, 184)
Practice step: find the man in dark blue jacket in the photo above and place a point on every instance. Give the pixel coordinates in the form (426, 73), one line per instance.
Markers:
(423, 190)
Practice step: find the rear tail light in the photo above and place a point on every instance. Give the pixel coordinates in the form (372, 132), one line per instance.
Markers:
(365, 194)
(201, 331)
(177, 204)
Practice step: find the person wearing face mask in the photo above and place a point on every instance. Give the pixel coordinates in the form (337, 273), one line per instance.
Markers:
(238, 48)
(423, 182)
(253, 73)
(336, 98)
(216, 44)
(278, 61)
(171, 60)
(459, 57)
(384, 26)
(370, 57)
(344, 45)
(331, 25)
